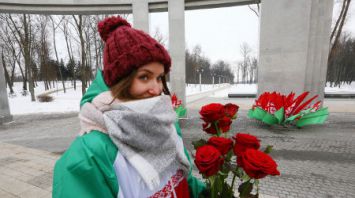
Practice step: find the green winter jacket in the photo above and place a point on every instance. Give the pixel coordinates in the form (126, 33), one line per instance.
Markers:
(86, 168)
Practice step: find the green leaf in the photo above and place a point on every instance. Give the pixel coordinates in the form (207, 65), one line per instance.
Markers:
(257, 113)
(250, 113)
(318, 117)
(239, 172)
(269, 119)
(235, 116)
(180, 111)
(268, 149)
(300, 114)
(279, 115)
(227, 191)
(199, 143)
(245, 189)
(245, 177)
(229, 156)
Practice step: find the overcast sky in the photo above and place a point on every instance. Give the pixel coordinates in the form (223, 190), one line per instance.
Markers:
(221, 31)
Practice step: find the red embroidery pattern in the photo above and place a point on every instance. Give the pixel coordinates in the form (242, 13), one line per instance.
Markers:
(168, 189)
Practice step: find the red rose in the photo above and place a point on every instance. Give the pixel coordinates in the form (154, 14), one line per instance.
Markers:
(221, 143)
(231, 110)
(244, 141)
(224, 124)
(208, 160)
(257, 164)
(209, 128)
(212, 112)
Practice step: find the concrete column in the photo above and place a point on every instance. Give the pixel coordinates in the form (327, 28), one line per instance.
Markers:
(5, 115)
(141, 15)
(294, 44)
(177, 47)
(318, 49)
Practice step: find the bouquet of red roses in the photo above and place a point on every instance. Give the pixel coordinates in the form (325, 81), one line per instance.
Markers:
(276, 108)
(221, 157)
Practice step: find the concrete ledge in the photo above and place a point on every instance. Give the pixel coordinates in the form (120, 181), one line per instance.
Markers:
(330, 95)
(241, 95)
(5, 119)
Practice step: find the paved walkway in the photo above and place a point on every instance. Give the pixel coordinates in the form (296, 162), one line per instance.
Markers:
(317, 161)
(25, 172)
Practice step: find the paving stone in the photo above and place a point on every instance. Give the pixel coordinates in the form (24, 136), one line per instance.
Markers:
(13, 185)
(15, 174)
(9, 160)
(42, 181)
(34, 192)
(4, 194)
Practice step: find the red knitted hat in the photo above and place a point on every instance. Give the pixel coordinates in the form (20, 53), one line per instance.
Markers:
(127, 49)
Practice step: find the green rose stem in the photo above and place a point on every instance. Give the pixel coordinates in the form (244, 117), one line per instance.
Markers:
(233, 180)
(235, 174)
(217, 128)
(212, 181)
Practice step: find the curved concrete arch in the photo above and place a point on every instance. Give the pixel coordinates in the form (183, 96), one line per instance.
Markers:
(106, 6)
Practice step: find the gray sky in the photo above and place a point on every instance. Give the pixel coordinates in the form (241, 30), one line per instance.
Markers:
(221, 31)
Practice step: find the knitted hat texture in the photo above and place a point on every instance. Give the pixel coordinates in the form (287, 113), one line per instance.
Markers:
(127, 49)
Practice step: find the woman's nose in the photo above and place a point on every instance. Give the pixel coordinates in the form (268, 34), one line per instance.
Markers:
(155, 89)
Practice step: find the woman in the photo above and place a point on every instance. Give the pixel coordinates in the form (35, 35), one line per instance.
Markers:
(130, 144)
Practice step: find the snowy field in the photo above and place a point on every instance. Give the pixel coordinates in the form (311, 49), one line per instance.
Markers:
(69, 102)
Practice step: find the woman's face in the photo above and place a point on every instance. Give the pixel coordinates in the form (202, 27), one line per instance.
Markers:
(147, 82)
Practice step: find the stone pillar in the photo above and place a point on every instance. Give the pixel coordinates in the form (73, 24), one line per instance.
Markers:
(176, 10)
(318, 50)
(5, 115)
(141, 15)
(294, 45)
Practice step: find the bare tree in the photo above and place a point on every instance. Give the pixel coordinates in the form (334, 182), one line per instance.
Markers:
(21, 26)
(79, 24)
(254, 66)
(245, 50)
(256, 8)
(68, 41)
(55, 25)
(8, 54)
(159, 37)
(338, 28)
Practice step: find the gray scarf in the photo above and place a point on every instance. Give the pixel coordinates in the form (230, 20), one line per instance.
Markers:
(144, 132)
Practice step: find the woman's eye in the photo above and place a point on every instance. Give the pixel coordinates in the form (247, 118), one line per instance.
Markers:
(160, 78)
(143, 77)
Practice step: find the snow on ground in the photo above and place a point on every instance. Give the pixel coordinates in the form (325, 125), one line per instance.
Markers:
(345, 88)
(236, 89)
(65, 102)
(252, 89)
(192, 89)
(69, 102)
